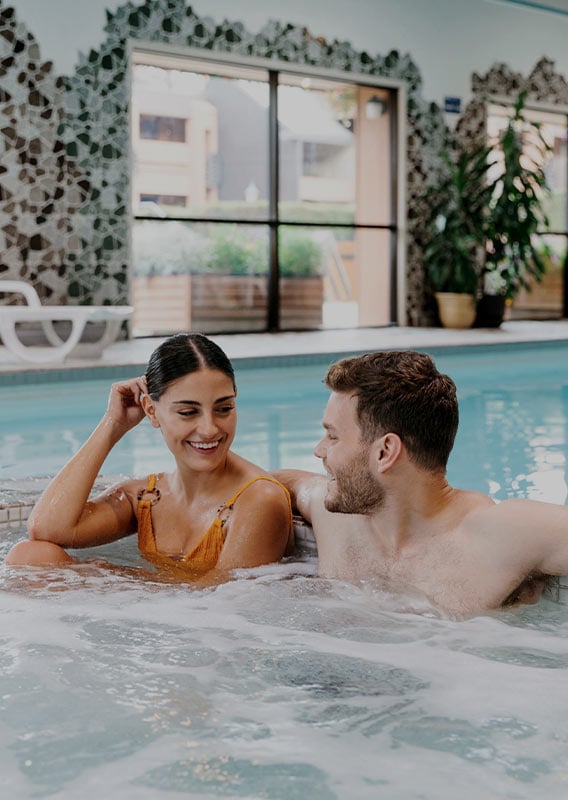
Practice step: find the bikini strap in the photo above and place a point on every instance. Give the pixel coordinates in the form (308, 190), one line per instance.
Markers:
(230, 503)
(149, 490)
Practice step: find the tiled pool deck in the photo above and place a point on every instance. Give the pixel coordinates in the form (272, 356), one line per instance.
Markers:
(18, 496)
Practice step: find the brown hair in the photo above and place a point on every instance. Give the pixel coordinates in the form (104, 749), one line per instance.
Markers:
(402, 392)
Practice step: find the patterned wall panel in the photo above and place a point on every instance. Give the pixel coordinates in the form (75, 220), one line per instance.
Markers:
(41, 189)
(543, 85)
(85, 251)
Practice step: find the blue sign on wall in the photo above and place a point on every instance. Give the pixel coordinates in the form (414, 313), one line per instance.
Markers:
(452, 105)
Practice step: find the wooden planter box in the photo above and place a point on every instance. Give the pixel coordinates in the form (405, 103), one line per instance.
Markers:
(162, 304)
(545, 296)
(301, 302)
(166, 304)
(239, 302)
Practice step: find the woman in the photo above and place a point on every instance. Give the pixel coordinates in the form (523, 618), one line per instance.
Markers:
(215, 512)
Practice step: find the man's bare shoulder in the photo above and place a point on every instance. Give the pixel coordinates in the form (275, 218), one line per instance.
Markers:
(464, 507)
(520, 511)
(530, 532)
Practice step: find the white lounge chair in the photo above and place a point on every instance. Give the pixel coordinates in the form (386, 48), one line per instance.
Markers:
(59, 348)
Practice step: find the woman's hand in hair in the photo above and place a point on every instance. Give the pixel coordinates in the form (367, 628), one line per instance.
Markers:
(124, 407)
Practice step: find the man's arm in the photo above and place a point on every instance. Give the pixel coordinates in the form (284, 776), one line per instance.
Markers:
(302, 486)
(533, 533)
(548, 524)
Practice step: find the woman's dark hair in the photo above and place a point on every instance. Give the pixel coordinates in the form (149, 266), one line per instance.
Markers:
(180, 355)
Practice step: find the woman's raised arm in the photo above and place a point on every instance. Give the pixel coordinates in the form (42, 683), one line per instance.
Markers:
(64, 514)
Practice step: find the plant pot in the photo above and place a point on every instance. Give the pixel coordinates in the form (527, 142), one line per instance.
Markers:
(456, 310)
(490, 311)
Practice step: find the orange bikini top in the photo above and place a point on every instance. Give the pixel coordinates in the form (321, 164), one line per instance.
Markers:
(206, 552)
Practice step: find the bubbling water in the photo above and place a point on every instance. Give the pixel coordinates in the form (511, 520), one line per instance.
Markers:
(278, 685)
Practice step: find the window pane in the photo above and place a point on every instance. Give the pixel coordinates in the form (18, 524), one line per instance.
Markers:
(201, 150)
(166, 129)
(334, 277)
(202, 137)
(334, 146)
(545, 299)
(209, 277)
(553, 128)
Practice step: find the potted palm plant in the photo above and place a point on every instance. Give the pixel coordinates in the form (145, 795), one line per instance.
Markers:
(514, 256)
(458, 206)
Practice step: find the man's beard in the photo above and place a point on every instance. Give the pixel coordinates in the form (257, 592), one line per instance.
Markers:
(356, 489)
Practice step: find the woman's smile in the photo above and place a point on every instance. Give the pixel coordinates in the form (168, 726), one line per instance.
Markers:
(205, 447)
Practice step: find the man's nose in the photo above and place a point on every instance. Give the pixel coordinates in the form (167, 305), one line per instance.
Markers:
(319, 450)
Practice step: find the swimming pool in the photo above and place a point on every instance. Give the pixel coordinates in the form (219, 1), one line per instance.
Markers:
(512, 439)
(281, 685)
(42, 426)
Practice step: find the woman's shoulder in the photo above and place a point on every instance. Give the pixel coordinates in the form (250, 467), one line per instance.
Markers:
(256, 483)
(134, 488)
(262, 499)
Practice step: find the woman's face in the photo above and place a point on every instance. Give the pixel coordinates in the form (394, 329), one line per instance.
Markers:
(198, 418)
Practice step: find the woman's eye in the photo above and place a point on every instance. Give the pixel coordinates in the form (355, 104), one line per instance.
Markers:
(224, 409)
(190, 413)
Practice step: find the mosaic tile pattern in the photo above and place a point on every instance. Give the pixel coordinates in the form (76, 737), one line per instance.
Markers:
(543, 84)
(90, 115)
(41, 189)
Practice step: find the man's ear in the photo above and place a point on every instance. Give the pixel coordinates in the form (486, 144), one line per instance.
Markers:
(387, 451)
(149, 408)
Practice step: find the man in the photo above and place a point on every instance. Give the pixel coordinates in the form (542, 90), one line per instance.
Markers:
(386, 511)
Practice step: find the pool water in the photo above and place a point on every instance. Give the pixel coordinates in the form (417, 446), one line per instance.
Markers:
(42, 426)
(512, 439)
(279, 684)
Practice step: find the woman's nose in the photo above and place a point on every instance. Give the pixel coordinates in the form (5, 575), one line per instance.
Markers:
(207, 425)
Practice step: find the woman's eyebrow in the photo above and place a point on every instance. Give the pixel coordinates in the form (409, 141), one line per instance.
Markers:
(197, 403)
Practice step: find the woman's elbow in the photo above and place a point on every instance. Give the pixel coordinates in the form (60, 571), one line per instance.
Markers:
(40, 532)
(36, 532)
